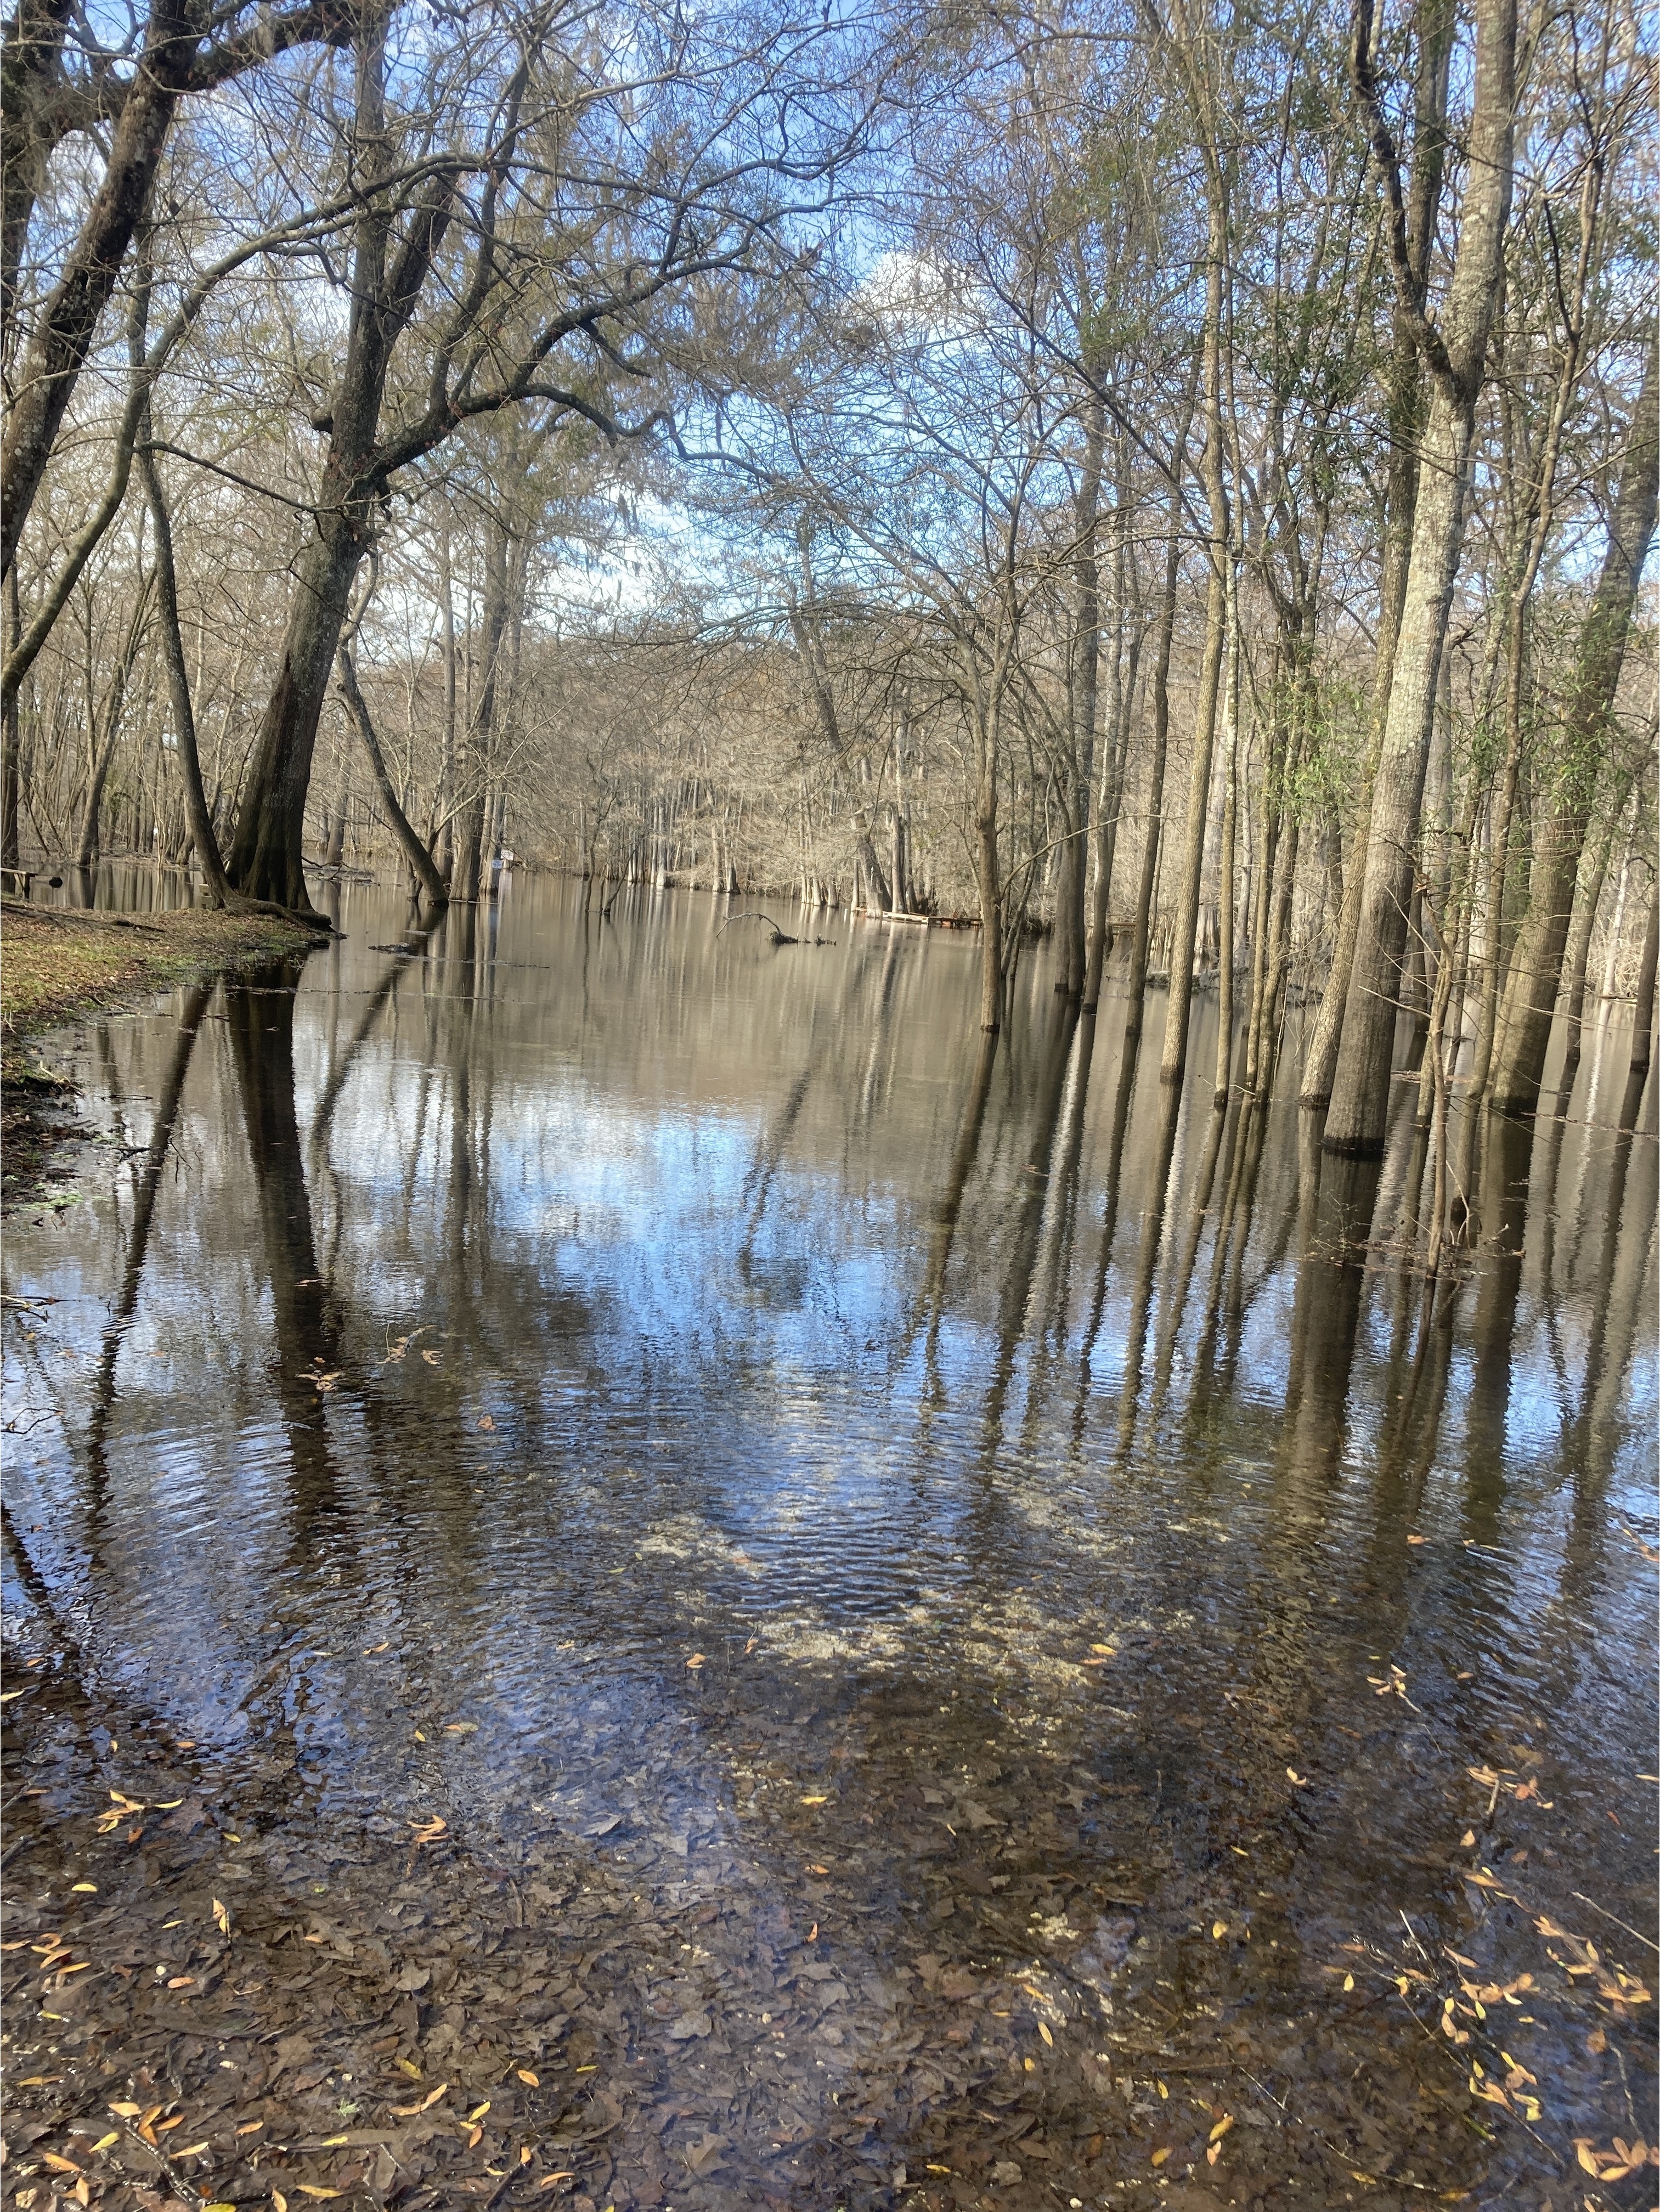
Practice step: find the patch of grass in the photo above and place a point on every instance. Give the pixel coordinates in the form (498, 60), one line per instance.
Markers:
(56, 964)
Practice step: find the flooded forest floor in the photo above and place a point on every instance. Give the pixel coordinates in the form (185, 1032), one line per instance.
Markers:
(601, 1613)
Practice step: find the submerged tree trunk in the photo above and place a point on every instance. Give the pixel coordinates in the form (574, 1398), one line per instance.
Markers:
(1179, 1005)
(1404, 403)
(1537, 964)
(1456, 352)
(1136, 982)
(1078, 769)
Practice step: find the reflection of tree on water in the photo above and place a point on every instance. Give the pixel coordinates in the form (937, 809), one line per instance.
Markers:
(146, 1189)
(261, 1022)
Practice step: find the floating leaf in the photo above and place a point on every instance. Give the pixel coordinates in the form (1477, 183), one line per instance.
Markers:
(221, 1917)
(86, 1888)
(1043, 2029)
(531, 2080)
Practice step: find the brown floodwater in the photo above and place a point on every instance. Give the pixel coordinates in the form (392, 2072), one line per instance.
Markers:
(680, 1412)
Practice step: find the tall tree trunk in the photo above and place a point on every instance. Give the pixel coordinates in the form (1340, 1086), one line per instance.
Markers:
(267, 857)
(1121, 695)
(215, 886)
(468, 848)
(1179, 1005)
(1536, 963)
(988, 877)
(1456, 352)
(1077, 775)
(1403, 398)
(1136, 982)
(1643, 1014)
(11, 783)
(86, 852)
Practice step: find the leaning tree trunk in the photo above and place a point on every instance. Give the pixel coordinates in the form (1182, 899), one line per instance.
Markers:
(422, 865)
(63, 338)
(1456, 351)
(1536, 969)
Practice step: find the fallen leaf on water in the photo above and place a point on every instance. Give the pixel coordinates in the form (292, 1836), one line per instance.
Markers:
(279, 2201)
(548, 2179)
(221, 1917)
(1221, 2127)
(6, 1696)
(1043, 2029)
(1418, 1540)
(812, 1933)
(534, 2081)
(84, 1887)
(817, 1869)
(128, 2111)
(194, 2150)
(370, 1651)
(460, 1728)
(695, 1660)
(479, 2113)
(250, 2127)
(475, 2138)
(524, 2154)
(1218, 1929)
(68, 2165)
(311, 2189)
(429, 1830)
(1159, 2156)
(1348, 1981)
(432, 1358)
(485, 1422)
(1291, 1775)
(104, 2142)
(1596, 2042)
(815, 1800)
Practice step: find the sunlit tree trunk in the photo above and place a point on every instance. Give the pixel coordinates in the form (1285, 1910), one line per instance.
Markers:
(1456, 351)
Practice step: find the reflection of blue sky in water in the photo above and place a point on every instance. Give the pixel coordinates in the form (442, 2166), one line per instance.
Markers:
(670, 1225)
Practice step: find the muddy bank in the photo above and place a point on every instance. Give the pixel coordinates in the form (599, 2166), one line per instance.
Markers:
(59, 965)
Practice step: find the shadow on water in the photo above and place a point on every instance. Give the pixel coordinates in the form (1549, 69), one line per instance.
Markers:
(1019, 1572)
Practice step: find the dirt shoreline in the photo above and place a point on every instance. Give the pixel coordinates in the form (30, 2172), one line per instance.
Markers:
(59, 965)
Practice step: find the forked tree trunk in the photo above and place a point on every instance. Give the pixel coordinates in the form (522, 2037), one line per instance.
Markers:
(1358, 1113)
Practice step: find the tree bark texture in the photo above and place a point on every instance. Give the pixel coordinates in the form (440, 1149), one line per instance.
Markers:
(1358, 1115)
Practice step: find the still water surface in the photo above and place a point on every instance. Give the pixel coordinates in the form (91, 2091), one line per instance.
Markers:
(766, 1431)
